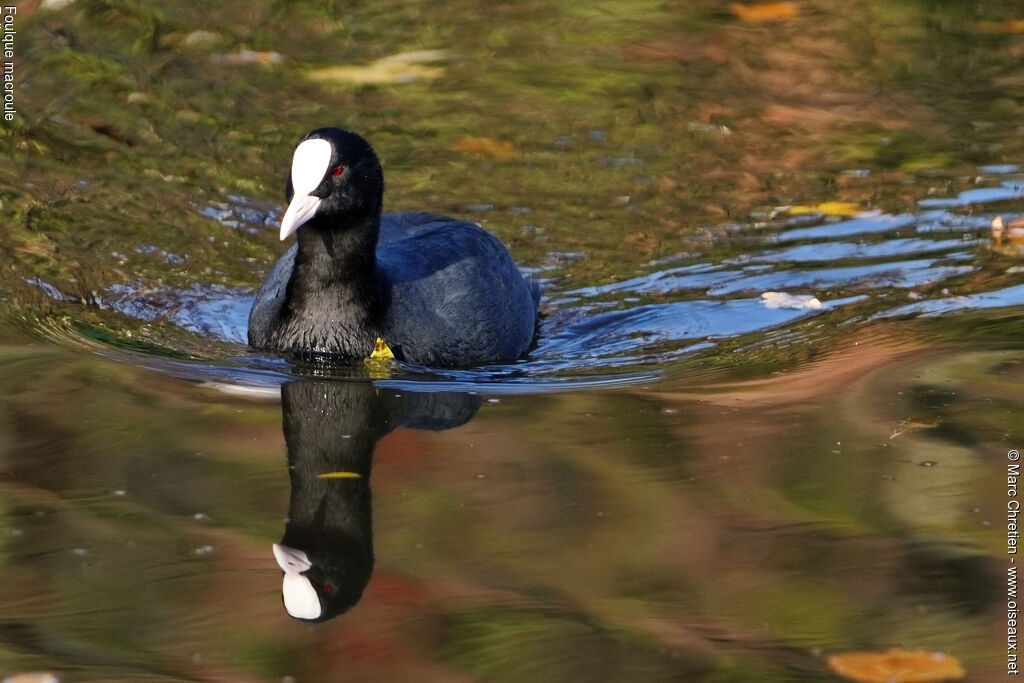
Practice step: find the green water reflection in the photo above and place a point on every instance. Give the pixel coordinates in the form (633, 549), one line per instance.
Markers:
(631, 123)
(730, 529)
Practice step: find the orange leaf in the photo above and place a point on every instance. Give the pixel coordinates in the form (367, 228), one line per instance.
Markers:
(763, 12)
(896, 666)
(1010, 26)
(488, 147)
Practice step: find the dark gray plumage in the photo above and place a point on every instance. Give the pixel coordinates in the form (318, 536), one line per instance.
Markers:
(438, 291)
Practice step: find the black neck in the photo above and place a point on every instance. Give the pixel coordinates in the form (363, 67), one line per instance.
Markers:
(333, 302)
(332, 428)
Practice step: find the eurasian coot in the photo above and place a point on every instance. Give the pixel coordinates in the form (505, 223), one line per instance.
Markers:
(435, 290)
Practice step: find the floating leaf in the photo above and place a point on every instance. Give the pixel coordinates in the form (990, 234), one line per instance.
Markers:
(1010, 26)
(796, 301)
(1008, 239)
(896, 666)
(339, 475)
(403, 67)
(249, 57)
(201, 39)
(414, 57)
(913, 424)
(641, 242)
(827, 208)
(764, 12)
(1015, 230)
(488, 147)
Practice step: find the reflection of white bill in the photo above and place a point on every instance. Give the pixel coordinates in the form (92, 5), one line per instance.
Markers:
(300, 598)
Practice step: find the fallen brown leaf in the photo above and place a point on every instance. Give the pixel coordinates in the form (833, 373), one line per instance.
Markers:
(913, 425)
(896, 666)
(764, 12)
(1010, 26)
(488, 147)
(644, 243)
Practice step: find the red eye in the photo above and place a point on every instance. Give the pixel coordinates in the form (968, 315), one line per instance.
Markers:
(329, 587)
(338, 170)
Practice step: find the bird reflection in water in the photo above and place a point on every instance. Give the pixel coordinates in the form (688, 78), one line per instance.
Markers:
(331, 428)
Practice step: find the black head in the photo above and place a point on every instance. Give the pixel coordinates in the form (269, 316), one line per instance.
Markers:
(324, 583)
(335, 175)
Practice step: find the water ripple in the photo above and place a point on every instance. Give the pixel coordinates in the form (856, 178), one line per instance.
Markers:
(856, 226)
(610, 334)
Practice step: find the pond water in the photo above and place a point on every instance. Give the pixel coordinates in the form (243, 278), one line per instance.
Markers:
(766, 420)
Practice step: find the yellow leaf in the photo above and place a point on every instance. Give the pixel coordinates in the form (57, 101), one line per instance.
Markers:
(1008, 239)
(381, 351)
(827, 208)
(403, 67)
(764, 12)
(488, 147)
(1015, 230)
(896, 666)
(378, 363)
(339, 475)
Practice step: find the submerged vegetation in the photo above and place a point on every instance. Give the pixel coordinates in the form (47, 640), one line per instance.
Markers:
(631, 123)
